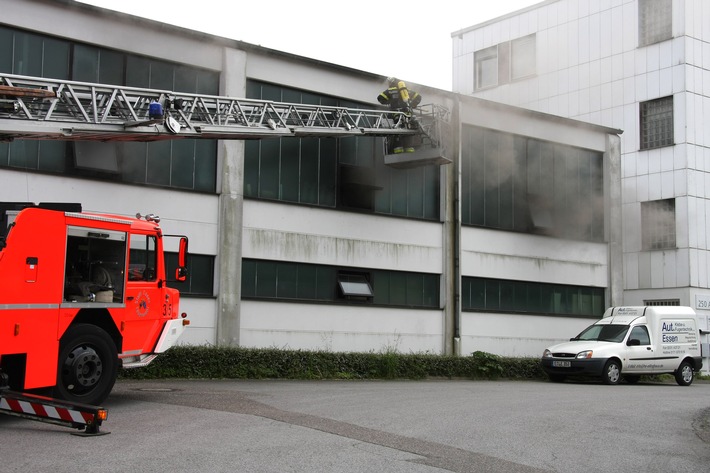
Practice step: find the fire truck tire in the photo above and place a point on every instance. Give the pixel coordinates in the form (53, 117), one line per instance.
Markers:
(88, 365)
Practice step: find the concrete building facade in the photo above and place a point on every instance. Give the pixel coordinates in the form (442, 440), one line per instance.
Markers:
(642, 66)
(452, 259)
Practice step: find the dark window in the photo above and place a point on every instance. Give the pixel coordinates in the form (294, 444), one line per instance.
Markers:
(143, 258)
(658, 224)
(346, 173)
(511, 182)
(263, 279)
(662, 302)
(656, 118)
(655, 21)
(200, 274)
(183, 164)
(497, 295)
(94, 265)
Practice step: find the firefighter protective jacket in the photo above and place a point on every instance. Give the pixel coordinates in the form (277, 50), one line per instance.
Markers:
(398, 97)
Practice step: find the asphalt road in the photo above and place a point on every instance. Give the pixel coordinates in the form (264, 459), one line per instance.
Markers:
(377, 426)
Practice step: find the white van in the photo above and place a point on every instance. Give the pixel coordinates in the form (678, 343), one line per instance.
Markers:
(629, 342)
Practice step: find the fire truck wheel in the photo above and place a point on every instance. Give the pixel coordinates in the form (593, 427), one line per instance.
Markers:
(88, 365)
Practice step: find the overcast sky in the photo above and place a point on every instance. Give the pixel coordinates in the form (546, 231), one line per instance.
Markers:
(407, 39)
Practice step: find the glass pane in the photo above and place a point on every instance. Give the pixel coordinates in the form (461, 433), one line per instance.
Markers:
(248, 278)
(325, 283)
(111, 67)
(52, 156)
(399, 192)
(266, 279)
(287, 280)
(183, 161)
(56, 59)
(415, 290)
(269, 172)
(309, 171)
(85, 66)
(290, 169)
(415, 191)
(431, 192)
(398, 288)
(251, 168)
(207, 83)
(431, 290)
(28, 54)
(133, 162)
(162, 75)
(381, 287)
(201, 274)
(158, 168)
(137, 71)
(185, 79)
(307, 282)
(205, 165)
(24, 154)
(328, 172)
(6, 50)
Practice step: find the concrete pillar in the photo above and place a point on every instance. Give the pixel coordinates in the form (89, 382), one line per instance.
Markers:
(231, 208)
(612, 176)
(452, 230)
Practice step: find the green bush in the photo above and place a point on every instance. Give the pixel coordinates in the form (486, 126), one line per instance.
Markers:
(206, 362)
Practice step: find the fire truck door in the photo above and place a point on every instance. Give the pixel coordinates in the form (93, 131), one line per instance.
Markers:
(144, 304)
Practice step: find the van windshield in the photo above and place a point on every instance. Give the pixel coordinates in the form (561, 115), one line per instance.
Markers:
(604, 333)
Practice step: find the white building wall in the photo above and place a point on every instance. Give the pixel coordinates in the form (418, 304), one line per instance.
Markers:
(589, 67)
(342, 328)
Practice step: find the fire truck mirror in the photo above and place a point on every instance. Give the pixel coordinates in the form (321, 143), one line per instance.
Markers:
(181, 274)
(182, 255)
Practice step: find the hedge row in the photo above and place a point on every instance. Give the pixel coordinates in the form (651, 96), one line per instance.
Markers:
(205, 362)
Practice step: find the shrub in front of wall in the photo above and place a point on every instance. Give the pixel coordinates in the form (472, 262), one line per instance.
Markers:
(208, 362)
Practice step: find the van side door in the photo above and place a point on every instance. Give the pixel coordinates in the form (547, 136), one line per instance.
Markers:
(639, 351)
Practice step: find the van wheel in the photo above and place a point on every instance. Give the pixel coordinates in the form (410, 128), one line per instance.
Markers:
(88, 365)
(612, 372)
(684, 374)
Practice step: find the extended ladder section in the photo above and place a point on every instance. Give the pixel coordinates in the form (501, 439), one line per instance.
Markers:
(39, 108)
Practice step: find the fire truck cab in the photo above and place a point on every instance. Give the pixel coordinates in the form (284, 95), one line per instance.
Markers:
(81, 294)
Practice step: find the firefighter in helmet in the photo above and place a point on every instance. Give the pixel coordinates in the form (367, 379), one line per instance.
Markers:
(400, 99)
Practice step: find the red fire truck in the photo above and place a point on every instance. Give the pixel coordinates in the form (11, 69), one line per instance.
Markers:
(80, 295)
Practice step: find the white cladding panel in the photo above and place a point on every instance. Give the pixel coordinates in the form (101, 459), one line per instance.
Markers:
(195, 215)
(516, 335)
(297, 233)
(347, 328)
(509, 255)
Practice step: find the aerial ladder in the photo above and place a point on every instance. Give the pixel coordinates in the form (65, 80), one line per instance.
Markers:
(33, 108)
(51, 109)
